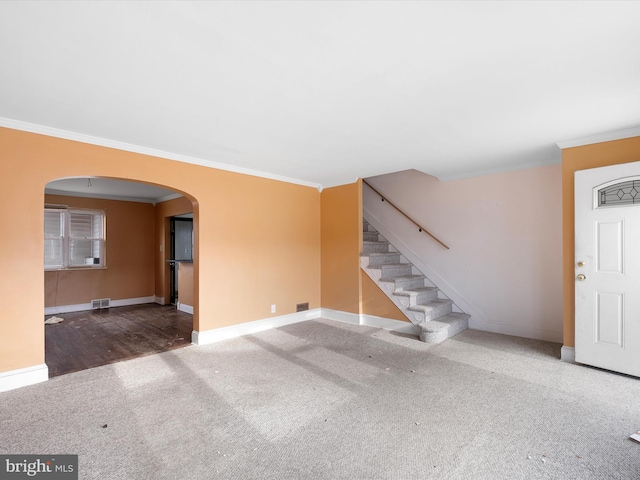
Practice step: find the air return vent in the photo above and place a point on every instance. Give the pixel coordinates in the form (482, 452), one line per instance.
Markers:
(100, 303)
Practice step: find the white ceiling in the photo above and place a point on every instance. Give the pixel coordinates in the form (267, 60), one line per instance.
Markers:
(111, 189)
(324, 92)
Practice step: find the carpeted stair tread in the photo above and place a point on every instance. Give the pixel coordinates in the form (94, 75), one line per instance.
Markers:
(432, 305)
(444, 322)
(387, 258)
(436, 331)
(396, 278)
(415, 291)
(409, 289)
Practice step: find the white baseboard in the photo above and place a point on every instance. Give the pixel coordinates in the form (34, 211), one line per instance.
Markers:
(159, 300)
(340, 316)
(80, 307)
(370, 321)
(568, 354)
(132, 301)
(23, 377)
(232, 331)
(183, 307)
(215, 335)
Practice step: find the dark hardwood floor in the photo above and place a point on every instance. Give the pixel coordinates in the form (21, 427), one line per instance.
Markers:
(98, 337)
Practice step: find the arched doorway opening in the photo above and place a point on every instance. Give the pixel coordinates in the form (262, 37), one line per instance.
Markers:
(108, 261)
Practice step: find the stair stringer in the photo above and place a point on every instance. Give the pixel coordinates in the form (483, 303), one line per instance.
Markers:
(477, 319)
(389, 288)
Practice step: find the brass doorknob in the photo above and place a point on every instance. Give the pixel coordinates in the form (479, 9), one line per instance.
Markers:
(581, 277)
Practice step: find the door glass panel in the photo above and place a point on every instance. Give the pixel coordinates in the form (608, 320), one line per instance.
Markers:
(621, 193)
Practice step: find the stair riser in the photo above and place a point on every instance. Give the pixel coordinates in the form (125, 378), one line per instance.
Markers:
(395, 270)
(411, 299)
(375, 260)
(409, 284)
(370, 236)
(375, 247)
(423, 298)
(432, 314)
(442, 335)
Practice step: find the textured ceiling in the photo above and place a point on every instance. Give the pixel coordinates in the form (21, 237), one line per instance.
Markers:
(324, 92)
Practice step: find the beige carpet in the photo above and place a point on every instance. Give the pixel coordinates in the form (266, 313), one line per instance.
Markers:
(326, 400)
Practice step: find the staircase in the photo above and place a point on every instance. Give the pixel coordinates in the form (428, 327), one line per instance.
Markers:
(409, 289)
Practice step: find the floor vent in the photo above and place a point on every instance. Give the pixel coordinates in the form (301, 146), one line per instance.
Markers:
(100, 303)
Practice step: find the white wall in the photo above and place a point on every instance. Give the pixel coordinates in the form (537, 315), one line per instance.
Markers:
(505, 234)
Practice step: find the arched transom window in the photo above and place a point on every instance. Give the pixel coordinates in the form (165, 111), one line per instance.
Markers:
(625, 192)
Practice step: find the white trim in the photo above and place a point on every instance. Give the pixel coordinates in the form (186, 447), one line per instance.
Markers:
(232, 331)
(370, 321)
(80, 307)
(337, 183)
(128, 147)
(183, 307)
(602, 137)
(158, 300)
(568, 354)
(23, 377)
(340, 316)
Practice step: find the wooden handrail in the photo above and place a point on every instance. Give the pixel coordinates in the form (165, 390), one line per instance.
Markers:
(420, 227)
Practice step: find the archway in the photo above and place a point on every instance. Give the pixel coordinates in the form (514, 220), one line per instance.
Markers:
(115, 306)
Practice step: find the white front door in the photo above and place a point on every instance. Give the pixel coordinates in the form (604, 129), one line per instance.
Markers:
(607, 267)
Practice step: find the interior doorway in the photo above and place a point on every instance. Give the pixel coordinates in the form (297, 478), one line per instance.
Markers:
(114, 309)
(181, 251)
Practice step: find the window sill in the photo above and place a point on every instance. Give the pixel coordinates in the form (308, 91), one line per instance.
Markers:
(64, 269)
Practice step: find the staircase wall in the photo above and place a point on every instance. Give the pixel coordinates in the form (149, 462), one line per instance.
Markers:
(376, 303)
(505, 263)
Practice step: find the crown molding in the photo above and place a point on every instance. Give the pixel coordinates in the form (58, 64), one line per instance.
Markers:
(104, 196)
(602, 137)
(338, 183)
(128, 147)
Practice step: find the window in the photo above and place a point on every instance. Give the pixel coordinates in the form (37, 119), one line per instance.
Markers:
(73, 238)
(626, 192)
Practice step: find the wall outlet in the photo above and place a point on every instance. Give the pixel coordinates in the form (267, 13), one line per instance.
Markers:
(301, 307)
(273, 308)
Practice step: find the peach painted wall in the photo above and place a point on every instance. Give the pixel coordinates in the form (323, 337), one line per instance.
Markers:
(129, 256)
(376, 303)
(505, 234)
(257, 241)
(341, 227)
(164, 211)
(185, 283)
(574, 159)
